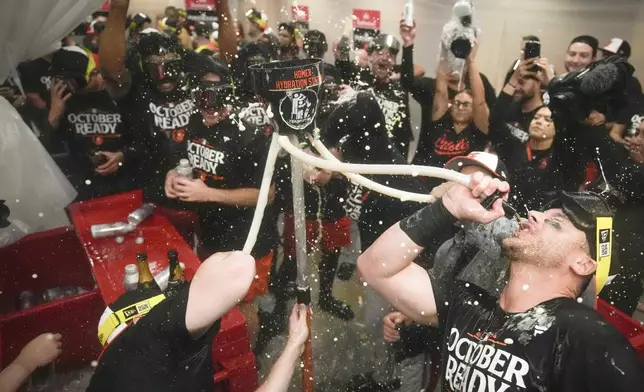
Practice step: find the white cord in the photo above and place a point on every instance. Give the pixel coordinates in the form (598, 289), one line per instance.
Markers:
(360, 180)
(262, 200)
(410, 170)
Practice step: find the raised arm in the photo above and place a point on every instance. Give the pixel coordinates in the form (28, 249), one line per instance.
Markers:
(441, 95)
(422, 89)
(480, 109)
(118, 80)
(227, 34)
(388, 264)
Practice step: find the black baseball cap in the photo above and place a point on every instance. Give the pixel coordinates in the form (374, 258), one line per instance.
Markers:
(486, 160)
(588, 40)
(587, 211)
(618, 46)
(73, 62)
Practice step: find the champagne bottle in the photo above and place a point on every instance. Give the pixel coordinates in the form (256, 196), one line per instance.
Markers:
(146, 280)
(177, 279)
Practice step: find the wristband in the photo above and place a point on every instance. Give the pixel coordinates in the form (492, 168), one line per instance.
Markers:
(428, 223)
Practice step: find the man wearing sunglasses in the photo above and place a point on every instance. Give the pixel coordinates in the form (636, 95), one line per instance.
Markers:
(82, 114)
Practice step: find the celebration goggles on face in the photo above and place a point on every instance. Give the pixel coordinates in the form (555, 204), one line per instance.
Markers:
(213, 95)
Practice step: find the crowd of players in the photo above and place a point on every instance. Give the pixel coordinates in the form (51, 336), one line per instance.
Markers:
(120, 111)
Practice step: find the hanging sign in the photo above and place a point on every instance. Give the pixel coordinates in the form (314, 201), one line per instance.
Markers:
(301, 17)
(366, 26)
(201, 10)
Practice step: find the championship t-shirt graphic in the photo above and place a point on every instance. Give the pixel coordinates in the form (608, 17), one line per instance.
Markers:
(355, 199)
(205, 158)
(95, 124)
(393, 109)
(172, 118)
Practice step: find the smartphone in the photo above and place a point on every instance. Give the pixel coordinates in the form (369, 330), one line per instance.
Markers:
(532, 49)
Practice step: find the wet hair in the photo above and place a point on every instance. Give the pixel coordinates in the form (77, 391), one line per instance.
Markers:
(531, 38)
(290, 27)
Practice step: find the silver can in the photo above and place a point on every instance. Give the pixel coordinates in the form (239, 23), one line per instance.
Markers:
(27, 300)
(110, 229)
(140, 214)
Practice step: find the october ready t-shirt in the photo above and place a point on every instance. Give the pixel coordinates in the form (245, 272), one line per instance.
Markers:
(558, 345)
(93, 122)
(229, 155)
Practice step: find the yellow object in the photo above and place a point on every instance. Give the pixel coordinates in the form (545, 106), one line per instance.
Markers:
(125, 315)
(604, 249)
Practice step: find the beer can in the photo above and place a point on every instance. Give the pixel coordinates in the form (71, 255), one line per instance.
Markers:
(140, 214)
(110, 229)
(27, 300)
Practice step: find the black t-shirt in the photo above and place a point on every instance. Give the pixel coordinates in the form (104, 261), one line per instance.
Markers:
(229, 155)
(558, 345)
(160, 122)
(93, 122)
(517, 120)
(532, 173)
(440, 143)
(393, 101)
(356, 127)
(158, 354)
(632, 117)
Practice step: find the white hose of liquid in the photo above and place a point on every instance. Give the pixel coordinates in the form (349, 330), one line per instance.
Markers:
(408, 170)
(360, 180)
(262, 200)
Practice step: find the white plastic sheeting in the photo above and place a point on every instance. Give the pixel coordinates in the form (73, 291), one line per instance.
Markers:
(32, 28)
(35, 189)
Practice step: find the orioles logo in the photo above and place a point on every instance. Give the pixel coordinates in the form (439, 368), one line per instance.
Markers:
(178, 135)
(202, 176)
(544, 163)
(98, 140)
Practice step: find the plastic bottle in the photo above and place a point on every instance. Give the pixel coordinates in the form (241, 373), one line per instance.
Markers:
(131, 278)
(184, 169)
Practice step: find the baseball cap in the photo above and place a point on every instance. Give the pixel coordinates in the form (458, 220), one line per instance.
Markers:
(591, 213)
(588, 40)
(73, 62)
(619, 47)
(128, 299)
(259, 18)
(488, 161)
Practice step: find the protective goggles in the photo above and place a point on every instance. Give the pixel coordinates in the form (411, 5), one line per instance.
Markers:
(163, 71)
(213, 95)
